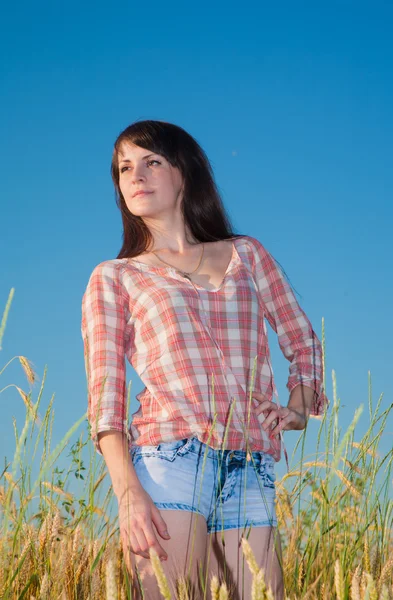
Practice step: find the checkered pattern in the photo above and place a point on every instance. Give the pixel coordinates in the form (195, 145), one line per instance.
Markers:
(198, 352)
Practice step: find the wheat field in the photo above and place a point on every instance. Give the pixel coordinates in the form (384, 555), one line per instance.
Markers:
(336, 544)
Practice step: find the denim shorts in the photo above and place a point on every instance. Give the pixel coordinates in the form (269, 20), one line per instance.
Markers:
(228, 490)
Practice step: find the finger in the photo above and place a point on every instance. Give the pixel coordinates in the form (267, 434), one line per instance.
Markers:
(266, 407)
(269, 419)
(277, 416)
(281, 425)
(139, 540)
(265, 404)
(290, 421)
(130, 545)
(153, 542)
(261, 397)
(159, 522)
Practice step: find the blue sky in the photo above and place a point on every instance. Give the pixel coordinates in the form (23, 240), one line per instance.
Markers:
(292, 104)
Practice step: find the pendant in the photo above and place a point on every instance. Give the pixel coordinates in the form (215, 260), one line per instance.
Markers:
(186, 276)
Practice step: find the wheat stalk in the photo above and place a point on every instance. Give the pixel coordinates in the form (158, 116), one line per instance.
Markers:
(385, 573)
(384, 593)
(355, 584)
(44, 589)
(75, 543)
(367, 563)
(339, 580)
(214, 587)
(223, 594)
(44, 533)
(371, 590)
(182, 589)
(111, 585)
(160, 575)
(28, 369)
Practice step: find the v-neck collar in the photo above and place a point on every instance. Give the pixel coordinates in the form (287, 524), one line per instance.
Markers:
(235, 258)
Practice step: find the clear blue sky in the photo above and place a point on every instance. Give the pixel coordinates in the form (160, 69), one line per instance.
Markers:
(293, 105)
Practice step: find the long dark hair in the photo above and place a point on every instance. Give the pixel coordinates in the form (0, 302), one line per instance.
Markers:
(202, 208)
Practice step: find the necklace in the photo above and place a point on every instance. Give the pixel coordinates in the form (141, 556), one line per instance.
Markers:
(185, 274)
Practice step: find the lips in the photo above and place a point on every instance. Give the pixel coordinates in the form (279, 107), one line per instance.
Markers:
(141, 192)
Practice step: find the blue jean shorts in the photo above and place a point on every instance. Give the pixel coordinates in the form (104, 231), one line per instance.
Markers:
(230, 491)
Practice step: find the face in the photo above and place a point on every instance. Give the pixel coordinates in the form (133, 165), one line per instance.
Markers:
(140, 169)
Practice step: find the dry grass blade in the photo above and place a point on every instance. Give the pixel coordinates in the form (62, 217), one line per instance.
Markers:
(348, 484)
(97, 483)
(10, 479)
(316, 463)
(309, 595)
(57, 490)
(28, 403)
(50, 503)
(28, 369)
(370, 452)
(351, 465)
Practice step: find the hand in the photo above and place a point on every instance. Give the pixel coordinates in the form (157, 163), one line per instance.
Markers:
(285, 418)
(137, 513)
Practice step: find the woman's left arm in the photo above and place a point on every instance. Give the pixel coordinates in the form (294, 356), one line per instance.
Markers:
(302, 398)
(296, 337)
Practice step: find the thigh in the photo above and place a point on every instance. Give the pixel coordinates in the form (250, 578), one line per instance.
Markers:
(227, 561)
(186, 552)
(175, 475)
(247, 493)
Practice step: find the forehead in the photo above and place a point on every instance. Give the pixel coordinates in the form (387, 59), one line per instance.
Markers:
(131, 151)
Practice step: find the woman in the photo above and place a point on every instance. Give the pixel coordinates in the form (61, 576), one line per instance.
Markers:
(185, 302)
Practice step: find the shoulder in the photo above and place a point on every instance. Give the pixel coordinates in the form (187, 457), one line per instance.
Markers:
(252, 244)
(106, 277)
(111, 268)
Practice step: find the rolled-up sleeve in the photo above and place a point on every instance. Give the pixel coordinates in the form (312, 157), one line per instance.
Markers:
(103, 328)
(296, 337)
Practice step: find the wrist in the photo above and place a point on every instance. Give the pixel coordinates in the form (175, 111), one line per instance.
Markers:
(301, 399)
(300, 410)
(126, 494)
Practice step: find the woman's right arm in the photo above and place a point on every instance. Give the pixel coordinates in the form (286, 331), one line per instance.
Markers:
(104, 319)
(137, 511)
(114, 446)
(104, 332)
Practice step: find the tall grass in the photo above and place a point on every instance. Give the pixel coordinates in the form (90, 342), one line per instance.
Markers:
(334, 515)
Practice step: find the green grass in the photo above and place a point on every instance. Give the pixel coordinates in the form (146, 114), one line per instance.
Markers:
(334, 512)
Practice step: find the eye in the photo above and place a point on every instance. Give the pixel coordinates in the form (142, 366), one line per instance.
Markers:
(148, 162)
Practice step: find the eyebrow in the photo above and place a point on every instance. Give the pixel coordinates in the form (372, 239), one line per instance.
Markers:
(126, 160)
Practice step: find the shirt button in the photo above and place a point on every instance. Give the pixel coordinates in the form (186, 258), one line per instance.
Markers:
(232, 454)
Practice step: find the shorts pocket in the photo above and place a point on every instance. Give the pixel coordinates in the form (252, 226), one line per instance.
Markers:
(266, 469)
(165, 450)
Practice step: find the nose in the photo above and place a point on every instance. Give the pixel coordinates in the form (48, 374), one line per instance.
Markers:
(138, 173)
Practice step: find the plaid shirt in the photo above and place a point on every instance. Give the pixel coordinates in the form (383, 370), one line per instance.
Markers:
(197, 351)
